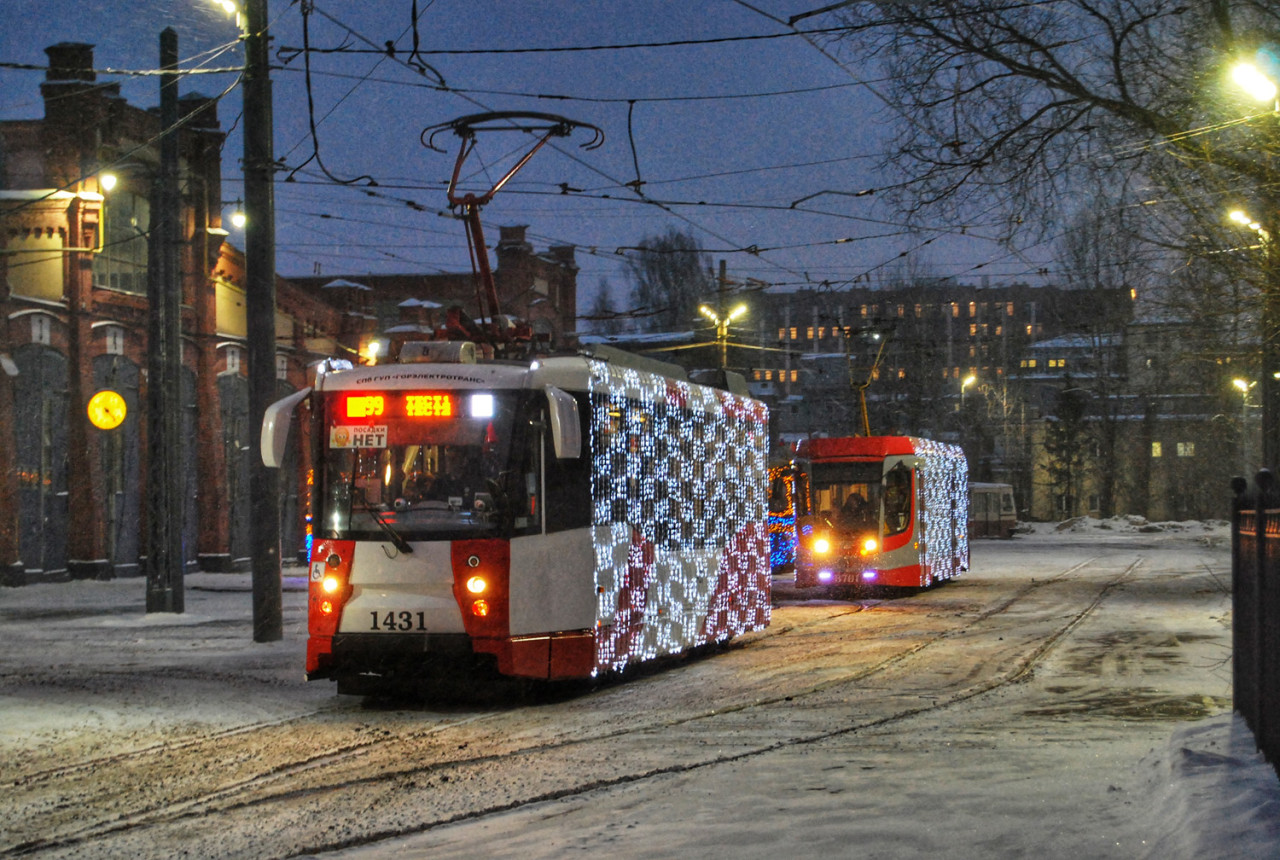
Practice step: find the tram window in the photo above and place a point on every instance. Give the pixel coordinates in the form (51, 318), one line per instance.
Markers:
(897, 499)
(779, 503)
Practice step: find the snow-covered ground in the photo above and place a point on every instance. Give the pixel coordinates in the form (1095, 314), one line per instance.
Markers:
(85, 673)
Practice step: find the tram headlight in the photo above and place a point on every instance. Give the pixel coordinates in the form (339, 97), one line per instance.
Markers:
(821, 546)
(477, 585)
(330, 584)
(869, 546)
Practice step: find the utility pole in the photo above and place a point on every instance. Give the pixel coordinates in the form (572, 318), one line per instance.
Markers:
(165, 557)
(260, 308)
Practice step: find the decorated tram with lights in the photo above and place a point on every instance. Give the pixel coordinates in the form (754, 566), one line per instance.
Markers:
(549, 519)
(880, 511)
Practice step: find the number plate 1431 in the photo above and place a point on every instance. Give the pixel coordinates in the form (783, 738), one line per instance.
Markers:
(403, 621)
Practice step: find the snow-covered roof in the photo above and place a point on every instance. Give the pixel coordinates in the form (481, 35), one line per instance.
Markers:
(420, 303)
(340, 283)
(639, 337)
(1078, 341)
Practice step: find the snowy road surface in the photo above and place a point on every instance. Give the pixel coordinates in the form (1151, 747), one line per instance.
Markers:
(1068, 697)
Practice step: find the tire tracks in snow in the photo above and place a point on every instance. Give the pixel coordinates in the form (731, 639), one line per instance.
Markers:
(361, 766)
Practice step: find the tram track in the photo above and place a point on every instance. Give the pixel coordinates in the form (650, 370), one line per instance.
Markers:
(369, 765)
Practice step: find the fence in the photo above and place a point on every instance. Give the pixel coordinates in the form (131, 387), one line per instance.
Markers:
(1255, 609)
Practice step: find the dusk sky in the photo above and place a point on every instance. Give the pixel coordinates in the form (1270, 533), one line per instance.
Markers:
(728, 133)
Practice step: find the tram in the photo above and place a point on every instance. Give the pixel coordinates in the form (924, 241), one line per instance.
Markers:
(548, 519)
(880, 511)
(992, 512)
(782, 517)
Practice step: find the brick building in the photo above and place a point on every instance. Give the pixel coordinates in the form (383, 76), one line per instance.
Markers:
(74, 269)
(538, 288)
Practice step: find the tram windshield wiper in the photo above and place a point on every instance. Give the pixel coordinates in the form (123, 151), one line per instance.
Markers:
(396, 539)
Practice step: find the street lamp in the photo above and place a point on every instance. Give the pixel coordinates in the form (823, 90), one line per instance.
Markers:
(1270, 424)
(1244, 386)
(722, 328)
(965, 383)
(1251, 79)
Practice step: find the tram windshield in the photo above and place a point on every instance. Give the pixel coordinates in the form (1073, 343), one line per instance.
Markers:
(847, 495)
(426, 466)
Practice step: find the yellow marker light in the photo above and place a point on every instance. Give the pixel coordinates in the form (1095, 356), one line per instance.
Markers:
(821, 546)
(480, 608)
(329, 584)
(326, 607)
(477, 585)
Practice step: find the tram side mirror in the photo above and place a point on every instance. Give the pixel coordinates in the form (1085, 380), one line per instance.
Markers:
(566, 433)
(275, 428)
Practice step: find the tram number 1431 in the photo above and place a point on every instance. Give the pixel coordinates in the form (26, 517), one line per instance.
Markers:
(403, 621)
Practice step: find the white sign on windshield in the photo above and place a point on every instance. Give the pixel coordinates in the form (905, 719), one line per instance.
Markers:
(358, 437)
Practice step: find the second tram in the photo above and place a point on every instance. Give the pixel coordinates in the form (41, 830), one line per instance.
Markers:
(880, 511)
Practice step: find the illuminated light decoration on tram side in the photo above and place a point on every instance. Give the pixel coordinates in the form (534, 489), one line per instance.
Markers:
(694, 460)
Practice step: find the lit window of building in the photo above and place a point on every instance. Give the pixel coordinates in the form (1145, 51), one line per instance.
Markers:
(973, 309)
(973, 329)
(1157, 450)
(1186, 449)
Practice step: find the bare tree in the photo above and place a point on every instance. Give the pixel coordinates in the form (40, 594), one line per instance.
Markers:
(603, 315)
(1012, 103)
(670, 275)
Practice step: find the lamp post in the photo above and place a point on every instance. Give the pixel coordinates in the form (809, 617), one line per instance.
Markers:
(1270, 333)
(964, 384)
(1244, 386)
(252, 18)
(722, 328)
(1254, 82)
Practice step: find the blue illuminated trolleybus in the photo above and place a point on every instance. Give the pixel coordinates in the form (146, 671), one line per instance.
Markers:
(880, 511)
(550, 519)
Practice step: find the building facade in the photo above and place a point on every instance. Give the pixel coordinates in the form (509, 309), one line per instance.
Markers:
(75, 265)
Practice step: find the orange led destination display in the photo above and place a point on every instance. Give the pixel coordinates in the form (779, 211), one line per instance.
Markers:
(365, 405)
(411, 405)
(428, 406)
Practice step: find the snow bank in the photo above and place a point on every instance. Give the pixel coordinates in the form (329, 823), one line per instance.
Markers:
(1213, 794)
